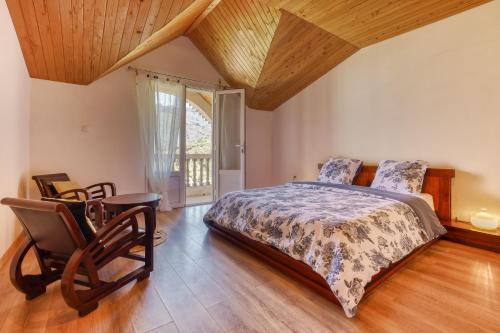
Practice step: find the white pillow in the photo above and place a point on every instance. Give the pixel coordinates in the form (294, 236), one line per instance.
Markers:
(339, 171)
(400, 176)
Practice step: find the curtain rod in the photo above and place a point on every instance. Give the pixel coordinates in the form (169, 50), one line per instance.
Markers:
(178, 78)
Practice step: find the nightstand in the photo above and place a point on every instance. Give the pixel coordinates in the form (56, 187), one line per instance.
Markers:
(466, 233)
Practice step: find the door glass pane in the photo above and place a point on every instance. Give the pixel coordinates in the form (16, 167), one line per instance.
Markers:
(229, 131)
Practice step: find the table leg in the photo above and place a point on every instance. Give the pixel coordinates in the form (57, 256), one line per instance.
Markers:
(154, 218)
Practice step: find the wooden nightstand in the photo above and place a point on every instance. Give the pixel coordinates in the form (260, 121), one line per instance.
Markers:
(466, 233)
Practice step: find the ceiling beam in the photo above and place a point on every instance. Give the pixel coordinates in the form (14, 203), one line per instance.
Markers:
(203, 15)
(175, 28)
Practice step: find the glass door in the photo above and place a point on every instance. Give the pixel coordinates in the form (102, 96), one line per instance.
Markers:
(230, 141)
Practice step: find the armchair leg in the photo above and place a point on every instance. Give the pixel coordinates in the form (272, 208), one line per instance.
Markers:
(85, 310)
(143, 276)
(31, 285)
(35, 293)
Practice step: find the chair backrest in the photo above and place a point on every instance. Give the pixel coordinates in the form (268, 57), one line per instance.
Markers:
(44, 183)
(50, 225)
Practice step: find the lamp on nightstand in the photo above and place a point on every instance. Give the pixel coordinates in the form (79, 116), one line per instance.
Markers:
(484, 220)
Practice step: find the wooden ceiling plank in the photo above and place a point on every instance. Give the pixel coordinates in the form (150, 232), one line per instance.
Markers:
(88, 30)
(268, 16)
(249, 21)
(216, 61)
(163, 13)
(218, 36)
(175, 28)
(252, 23)
(42, 18)
(67, 34)
(77, 27)
(238, 38)
(186, 4)
(116, 40)
(235, 51)
(54, 14)
(22, 35)
(151, 19)
(174, 10)
(248, 30)
(98, 32)
(108, 33)
(231, 59)
(28, 12)
(140, 23)
(203, 15)
(132, 13)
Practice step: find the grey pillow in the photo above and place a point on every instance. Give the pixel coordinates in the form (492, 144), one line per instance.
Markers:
(339, 171)
(400, 176)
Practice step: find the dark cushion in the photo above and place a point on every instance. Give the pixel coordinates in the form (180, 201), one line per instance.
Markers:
(52, 189)
(78, 210)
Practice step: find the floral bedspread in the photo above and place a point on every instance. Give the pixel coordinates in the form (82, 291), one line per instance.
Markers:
(344, 235)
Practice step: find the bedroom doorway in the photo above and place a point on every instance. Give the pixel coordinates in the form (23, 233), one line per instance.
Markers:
(198, 165)
(211, 147)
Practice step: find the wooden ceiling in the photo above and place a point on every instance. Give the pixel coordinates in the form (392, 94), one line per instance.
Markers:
(78, 40)
(272, 48)
(276, 48)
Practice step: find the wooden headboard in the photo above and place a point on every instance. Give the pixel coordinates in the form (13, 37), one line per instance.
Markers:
(437, 182)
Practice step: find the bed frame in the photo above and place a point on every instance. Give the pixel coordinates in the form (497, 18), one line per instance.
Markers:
(437, 182)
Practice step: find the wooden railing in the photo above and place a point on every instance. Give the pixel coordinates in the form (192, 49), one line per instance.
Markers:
(198, 170)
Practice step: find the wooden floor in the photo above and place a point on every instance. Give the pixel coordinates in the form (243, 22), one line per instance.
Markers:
(202, 283)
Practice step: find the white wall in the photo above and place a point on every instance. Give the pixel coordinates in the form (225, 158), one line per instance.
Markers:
(259, 167)
(110, 149)
(14, 96)
(431, 94)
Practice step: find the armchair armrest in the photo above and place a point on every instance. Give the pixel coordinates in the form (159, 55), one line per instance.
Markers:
(76, 194)
(95, 207)
(114, 234)
(99, 190)
(114, 239)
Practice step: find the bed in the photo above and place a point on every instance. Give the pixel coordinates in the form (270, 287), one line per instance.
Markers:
(342, 241)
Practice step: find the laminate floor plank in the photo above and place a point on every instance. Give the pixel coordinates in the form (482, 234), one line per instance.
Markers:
(188, 313)
(204, 283)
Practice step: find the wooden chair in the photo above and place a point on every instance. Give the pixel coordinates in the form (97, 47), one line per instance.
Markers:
(63, 252)
(96, 191)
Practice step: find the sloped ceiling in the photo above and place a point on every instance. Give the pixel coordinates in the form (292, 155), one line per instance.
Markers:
(77, 41)
(276, 48)
(272, 48)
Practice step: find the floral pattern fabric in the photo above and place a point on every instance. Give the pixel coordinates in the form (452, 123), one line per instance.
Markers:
(339, 171)
(346, 236)
(400, 176)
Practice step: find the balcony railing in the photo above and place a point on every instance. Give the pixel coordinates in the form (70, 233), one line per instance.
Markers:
(198, 170)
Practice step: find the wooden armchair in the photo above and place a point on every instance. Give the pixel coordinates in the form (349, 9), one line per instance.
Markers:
(97, 191)
(63, 252)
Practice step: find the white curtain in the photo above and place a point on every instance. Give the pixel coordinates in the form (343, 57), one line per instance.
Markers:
(159, 107)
